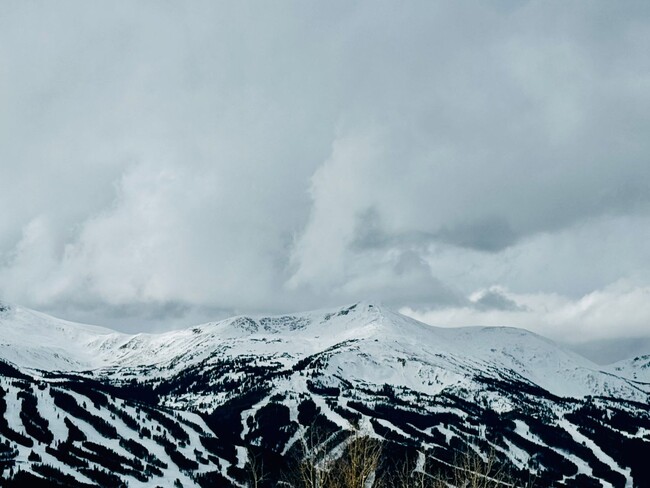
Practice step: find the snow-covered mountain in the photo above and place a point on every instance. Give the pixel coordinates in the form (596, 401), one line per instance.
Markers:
(637, 369)
(376, 342)
(264, 383)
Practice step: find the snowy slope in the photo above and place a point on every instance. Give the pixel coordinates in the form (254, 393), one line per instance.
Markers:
(374, 341)
(35, 340)
(377, 341)
(637, 368)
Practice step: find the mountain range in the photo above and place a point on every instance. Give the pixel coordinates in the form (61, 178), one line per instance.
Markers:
(82, 405)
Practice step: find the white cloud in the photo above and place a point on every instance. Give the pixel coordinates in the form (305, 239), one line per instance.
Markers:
(341, 196)
(621, 310)
(171, 158)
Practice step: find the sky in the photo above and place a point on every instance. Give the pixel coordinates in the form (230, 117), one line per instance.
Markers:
(467, 163)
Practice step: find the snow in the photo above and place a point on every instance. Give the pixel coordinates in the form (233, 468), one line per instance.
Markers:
(12, 415)
(367, 342)
(598, 452)
(636, 369)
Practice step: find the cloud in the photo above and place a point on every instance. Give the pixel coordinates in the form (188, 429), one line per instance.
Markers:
(620, 310)
(488, 234)
(162, 162)
(495, 298)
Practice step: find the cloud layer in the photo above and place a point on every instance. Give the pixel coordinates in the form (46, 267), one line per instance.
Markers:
(166, 163)
(617, 311)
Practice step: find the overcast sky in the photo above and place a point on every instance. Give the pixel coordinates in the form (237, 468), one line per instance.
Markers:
(167, 163)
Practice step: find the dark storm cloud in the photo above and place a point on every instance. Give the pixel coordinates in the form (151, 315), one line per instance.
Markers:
(494, 299)
(188, 159)
(489, 234)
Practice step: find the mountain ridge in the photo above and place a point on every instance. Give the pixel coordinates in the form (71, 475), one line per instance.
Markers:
(265, 382)
(56, 344)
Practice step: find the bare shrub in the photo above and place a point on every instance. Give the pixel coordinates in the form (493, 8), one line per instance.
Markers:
(357, 464)
(469, 470)
(357, 468)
